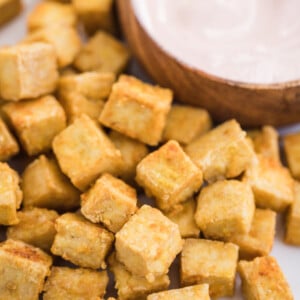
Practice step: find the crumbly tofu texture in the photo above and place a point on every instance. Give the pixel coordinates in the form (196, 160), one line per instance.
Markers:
(291, 146)
(223, 152)
(212, 262)
(84, 152)
(137, 109)
(110, 202)
(9, 9)
(262, 278)
(75, 284)
(185, 123)
(23, 269)
(27, 71)
(225, 208)
(130, 286)
(81, 242)
(102, 53)
(148, 243)
(169, 175)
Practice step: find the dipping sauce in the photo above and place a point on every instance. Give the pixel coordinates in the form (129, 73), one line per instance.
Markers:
(254, 41)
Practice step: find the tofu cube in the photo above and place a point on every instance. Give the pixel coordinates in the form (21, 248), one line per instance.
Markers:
(291, 146)
(136, 109)
(102, 53)
(23, 269)
(262, 278)
(212, 262)
(27, 71)
(36, 227)
(81, 242)
(169, 175)
(223, 152)
(36, 122)
(84, 152)
(148, 243)
(130, 286)
(85, 284)
(185, 123)
(9, 9)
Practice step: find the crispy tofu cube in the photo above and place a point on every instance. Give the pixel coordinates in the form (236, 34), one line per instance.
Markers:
(23, 269)
(223, 152)
(130, 286)
(148, 243)
(271, 183)
(36, 227)
(225, 208)
(81, 242)
(110, 202)
(27, 71)
(185, 123)
(36, 122)
(291, 145)
(84, 152)
(195, 292)
(262, 278)
(10, 195)
(102, 53)
(259, 241)
(212, 262)
(9, 9)
(137, 109)
(75, 284)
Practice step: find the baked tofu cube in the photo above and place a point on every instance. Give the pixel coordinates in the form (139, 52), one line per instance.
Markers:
(23, 269)
(9, 9)
(212, 262)
(84, 152)
(262, 278)
(185, 123)
(36, 227)
(75, 284)
(102, 53)
(130, 286)
(195, 292)
(110, 202)
(8, 145)
(27, 71)
(259, 240)
(148, 243)
(291, 147)
(81, 242)
(10, 195)
(271, 183)
(36, 122)
(169, 175)
(223, 152)
(225, 208)
(137, 109)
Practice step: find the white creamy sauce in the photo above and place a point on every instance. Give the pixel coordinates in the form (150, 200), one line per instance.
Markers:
(254, 41)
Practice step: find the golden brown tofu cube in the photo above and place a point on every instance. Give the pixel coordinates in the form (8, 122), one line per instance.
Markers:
(27, 71)
(212, 262)
(185, 123)
(130, 286)
(271, 183)
(291, 145)
(84, 152)
(10, 195)
(263, 279)
(9, 9)
(110, 202)
(195, 292)
(102, 53)
(36, 227)
(137, 109)
(75, 284)
(36, 122)
(148, 243)
(23, 269)
(259, 241)
(223, 152)
(81, 242)
(169, 175)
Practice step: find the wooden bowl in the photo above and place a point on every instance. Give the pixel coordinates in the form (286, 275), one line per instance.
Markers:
(250, 104)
